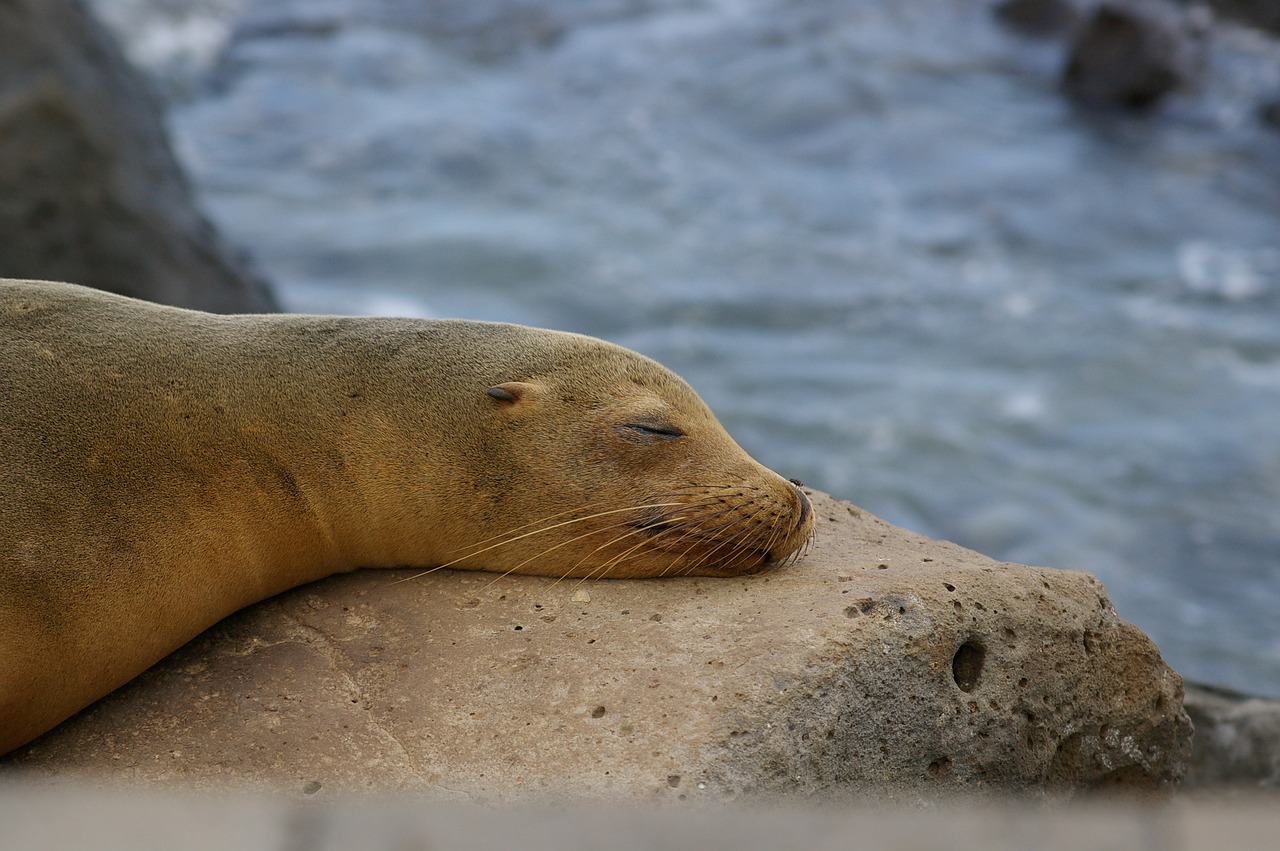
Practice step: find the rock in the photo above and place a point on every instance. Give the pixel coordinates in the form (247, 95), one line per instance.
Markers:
(89, 189)
(1039, 18)
(1131, 54)
(883, 663)
(1237, 740)
(1264, 14)
(1269, 112)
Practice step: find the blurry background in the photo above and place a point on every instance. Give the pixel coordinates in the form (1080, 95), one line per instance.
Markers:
(874, 235)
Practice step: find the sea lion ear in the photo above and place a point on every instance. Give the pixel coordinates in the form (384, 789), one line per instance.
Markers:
(513, 392)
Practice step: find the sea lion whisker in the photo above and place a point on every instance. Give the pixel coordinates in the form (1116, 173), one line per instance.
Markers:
(616, 559)
(683, 554)
(703, 531)
(544, 527)
(505, 541)
(723, 551)
(568, 541)
(631, 531)
(776, 533)
(540, 523)
(730, 547)
(604, 568)
(544, 552)
(699, 534)
(611, 562)
(681, 535)
(663, 521)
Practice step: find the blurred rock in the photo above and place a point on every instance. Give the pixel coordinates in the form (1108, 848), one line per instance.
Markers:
(1131, 53)
(1039, 18)
(1264, 14)
(90, 190)
(1270, 113)
(883, 663)
(1237, 740)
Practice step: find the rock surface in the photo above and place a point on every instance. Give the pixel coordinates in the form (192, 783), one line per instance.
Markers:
(1264, 14)
(89, 189)
(883, 663)
(1237, 741)
(1131, 53)
(1040, 18)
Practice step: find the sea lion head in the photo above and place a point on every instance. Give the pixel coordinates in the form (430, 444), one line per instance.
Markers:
(592, 460)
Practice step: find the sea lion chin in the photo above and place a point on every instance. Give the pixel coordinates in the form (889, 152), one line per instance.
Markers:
(166, 467)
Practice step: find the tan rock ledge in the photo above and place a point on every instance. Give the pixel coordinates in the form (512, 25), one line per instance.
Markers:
(883, 663)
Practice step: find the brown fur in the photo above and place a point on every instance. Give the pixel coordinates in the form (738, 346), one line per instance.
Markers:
(162, 468)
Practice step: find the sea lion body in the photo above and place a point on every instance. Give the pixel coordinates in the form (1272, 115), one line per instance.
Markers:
(163, 468)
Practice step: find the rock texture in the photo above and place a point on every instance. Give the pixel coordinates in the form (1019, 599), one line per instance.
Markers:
(1131, 53)
(883, 663)
(1264, 14)
(1041, 18)
(1237, 741)
(89, 189)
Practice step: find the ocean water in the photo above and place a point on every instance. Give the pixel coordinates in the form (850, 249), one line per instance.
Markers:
(872, 234)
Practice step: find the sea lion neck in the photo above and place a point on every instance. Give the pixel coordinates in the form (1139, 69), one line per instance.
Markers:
(348, 442)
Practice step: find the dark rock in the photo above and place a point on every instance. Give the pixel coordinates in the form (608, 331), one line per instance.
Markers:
(1237, 739)
(1131, 54)
(1264, 14)
(1039, 18)
(90, 190)
(1270, 113)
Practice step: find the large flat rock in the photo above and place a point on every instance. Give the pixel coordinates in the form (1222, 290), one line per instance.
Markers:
(882, 663)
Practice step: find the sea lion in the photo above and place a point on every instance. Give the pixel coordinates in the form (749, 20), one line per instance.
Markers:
(162, 468)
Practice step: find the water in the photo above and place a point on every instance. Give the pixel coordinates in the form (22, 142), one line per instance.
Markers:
(895, 262)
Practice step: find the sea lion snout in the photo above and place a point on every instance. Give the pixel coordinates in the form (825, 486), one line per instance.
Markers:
(806, 508)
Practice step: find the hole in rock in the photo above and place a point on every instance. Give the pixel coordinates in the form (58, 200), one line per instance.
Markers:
(598, 712)
(966, 665)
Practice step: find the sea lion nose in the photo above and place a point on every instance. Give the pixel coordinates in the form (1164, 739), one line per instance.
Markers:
(805, 507)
